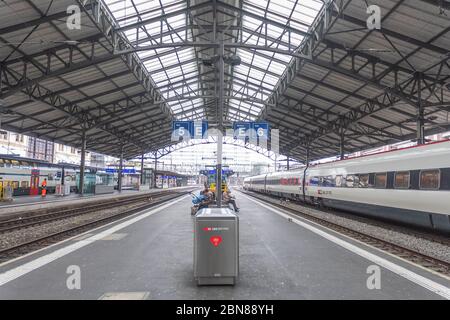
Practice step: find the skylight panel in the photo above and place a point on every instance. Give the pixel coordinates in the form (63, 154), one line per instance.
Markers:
(296, 14)
(165, 65)
(253, 80)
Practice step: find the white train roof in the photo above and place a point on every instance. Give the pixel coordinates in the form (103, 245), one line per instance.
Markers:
(434, 155)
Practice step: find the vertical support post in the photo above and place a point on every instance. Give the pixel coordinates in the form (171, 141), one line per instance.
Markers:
(307, 156)
(82, 162)
(154, 172)
(119, 181)
(287, 163)
(34, 147)
(342, 145)
(420, 113)
(45, 150)
(142, 168)
(220, 127)
(63, 176)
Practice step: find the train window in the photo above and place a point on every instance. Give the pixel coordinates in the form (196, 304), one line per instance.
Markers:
(24, 184)
(401, 180)
(339, 181)
(351, 181)
(380, 180)
(363, 181)
(430, 179)
(15, 184)
(314, 181)
(327, 181)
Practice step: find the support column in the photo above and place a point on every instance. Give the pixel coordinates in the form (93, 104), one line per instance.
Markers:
(45, 150)
(420, 113)
(82, 162)
(220, 127)
(34, 147)
(342, 145)
(307, 156)
(119, 181)
(287, 163)
(154, 172)
(63, 176)
(142, 168)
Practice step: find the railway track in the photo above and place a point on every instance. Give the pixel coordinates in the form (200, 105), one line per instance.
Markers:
(37, 219)
(48, 239)
(432, 263)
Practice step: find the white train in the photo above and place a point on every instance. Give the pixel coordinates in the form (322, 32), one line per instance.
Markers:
(410, 185)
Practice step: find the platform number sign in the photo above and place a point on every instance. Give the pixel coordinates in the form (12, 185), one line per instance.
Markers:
(242, 130)
(189, 129)
(252, 130)
(261, 129)
(181, 129)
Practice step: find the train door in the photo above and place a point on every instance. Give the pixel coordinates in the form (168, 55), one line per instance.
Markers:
(34, 183)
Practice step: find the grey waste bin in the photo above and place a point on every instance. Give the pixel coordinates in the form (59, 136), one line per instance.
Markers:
(216, 247)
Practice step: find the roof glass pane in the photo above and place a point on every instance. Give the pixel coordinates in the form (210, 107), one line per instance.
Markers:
(175, 71)
(261, 70)
(168, 65)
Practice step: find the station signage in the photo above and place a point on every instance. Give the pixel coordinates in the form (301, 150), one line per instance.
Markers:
(189, 129)
(213, 171)
(259, 130)
(124, 170)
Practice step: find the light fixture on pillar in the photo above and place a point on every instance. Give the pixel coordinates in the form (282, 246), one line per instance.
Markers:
(232, 60)
(210, 61)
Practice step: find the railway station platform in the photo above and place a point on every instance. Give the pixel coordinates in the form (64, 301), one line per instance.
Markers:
(25, 203)
(149, 255)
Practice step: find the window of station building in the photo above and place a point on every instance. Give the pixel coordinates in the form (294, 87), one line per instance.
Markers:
(19, 137)
(380, 180)
(72, 150)
(430, 179)
(401, 180)
(363, 180)
(61, 147)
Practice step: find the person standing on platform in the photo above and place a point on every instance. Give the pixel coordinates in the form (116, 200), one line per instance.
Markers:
(44, 188)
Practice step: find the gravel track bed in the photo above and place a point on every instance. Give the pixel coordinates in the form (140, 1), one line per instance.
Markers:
(16, 237)
(419, 241)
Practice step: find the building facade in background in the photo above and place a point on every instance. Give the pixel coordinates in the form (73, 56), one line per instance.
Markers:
(30, 147)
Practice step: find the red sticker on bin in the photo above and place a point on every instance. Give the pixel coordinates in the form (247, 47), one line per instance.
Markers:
(215, 240)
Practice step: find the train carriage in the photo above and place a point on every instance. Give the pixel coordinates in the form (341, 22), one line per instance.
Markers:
(410, 185)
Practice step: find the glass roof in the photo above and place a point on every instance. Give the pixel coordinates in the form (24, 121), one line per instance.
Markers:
(176, 71)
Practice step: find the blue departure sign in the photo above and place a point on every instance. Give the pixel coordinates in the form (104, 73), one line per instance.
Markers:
(242, 129)
(259, 130)
(189, 129)
(124, 170)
